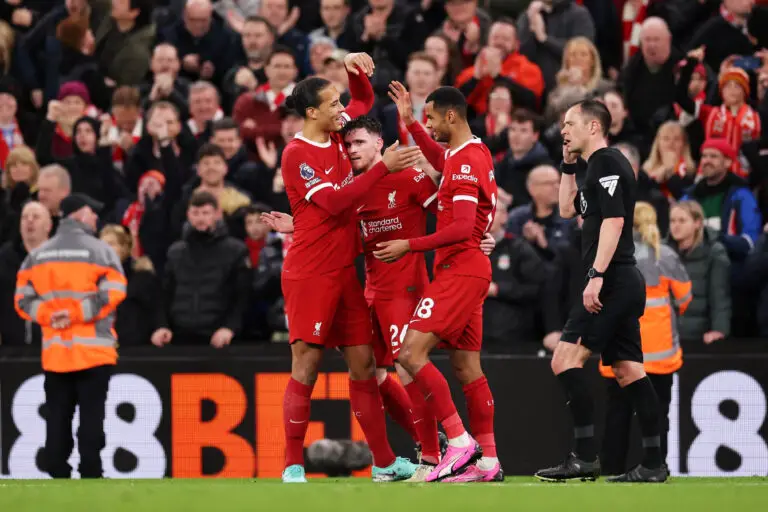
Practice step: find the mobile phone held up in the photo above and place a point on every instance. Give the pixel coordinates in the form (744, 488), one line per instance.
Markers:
(748, 63)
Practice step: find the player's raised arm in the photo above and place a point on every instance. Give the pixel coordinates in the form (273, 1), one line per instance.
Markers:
(434, 152)
(359, 66)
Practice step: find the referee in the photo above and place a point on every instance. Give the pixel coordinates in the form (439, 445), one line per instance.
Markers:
(608, 319)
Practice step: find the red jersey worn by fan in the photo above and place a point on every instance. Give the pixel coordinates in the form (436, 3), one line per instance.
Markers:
(452, 305)
(394, 209)
(324, 301)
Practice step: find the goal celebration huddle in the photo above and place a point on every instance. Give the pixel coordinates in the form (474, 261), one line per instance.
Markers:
(348, 198)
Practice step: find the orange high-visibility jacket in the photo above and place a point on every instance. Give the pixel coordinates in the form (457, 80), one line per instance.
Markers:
(668, 293)
(80, 274)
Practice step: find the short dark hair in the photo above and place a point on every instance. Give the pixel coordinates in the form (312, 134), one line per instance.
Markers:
(280, 49)
(126, 96)
(256, 208)
(596, 110)
(225, 123)
(261, 19)
(367, 123)
(209, 150)
(203, 198)
(306, 95)
(523, 115)
(449, 98)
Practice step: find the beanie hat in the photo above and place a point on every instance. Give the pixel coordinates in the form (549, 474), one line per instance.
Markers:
(74, 89)
(738, 75)
(157, 175)
(720, 145)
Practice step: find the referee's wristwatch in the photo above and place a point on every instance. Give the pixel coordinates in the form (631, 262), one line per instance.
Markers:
(592, 273)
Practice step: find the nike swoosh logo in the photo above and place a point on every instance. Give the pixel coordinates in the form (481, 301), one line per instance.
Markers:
(417, 421)
(297, 422)
(328, 170)
(360, 208)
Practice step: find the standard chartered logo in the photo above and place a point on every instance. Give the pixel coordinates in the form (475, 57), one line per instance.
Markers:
(383, 225)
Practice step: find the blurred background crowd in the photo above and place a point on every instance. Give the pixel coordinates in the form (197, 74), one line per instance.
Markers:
(153, 106)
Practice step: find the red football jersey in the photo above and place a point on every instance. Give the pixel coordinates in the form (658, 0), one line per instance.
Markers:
(322, 242)
(467, 176)
(394, 209)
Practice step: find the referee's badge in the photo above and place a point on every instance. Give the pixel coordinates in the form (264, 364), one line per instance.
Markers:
(504, 262)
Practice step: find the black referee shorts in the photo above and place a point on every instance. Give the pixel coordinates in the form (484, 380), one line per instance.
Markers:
(614, 332)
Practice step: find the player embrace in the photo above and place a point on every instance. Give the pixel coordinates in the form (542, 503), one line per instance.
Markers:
(324, 301)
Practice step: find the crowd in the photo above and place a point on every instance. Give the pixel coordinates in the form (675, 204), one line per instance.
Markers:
(170, 114)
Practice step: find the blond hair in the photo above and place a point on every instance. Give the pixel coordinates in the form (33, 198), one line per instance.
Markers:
(20, 155)
(123, 237)
(597, 66)
(7, 42)
(696, 213)
(646, 223)
(655, 162)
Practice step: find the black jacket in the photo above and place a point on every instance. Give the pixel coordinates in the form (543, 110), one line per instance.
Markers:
(519, 272)
(14, 330)
(205, 284)
(135, 315)
(512, 175)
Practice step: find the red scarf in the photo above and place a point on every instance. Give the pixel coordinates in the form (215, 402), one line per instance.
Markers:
(132, 221)
(273, 99)
(632, 21)
(743, 127)
(16, 140)
(405, 136)
(254, 249)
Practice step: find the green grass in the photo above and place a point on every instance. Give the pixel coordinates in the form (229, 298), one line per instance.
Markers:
(356, 495)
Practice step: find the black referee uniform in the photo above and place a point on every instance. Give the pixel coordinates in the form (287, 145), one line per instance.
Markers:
(607, 189)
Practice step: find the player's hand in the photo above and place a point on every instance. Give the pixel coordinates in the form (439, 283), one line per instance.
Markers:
(493, 289)
(487, 244)
(402, 98)
(592, 295)
(359, 60)
(551, 340)
(162, 337)
(278, 221)
(222, 337)
(391, 251)
(398, 159)
(713, 336)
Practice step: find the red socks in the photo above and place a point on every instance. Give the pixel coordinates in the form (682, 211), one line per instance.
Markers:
(480, 408)
(425, 424)
(366, 404)
(398, 405)
(296, 402)
(437, 395)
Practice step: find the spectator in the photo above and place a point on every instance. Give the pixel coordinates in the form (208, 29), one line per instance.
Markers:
(277, 13)
(734, 121)
(708, 317)
(72, 103)
(581, 68)
(258, 39)
(467, 26)
(501, 62)
(124, 127)
(729, 207)
(7, 44)
(19, 182)
(133, 324)
(608, 34)
(165, 84)
(15, 128)
(622, 128)
(648, 79)
(35, 229)
(90, 166)
(236, 12)
(648, 190)
(205, 44)
(509, 312)
(544, 30)
(336, 23)
(335, 71)
(728, 33)
(446, 55)
(53, 185)
(539, 221)
(421, 80)
(124, 37)
(204, 107)
(206, 281)
(670, 163)
(492, 127)
(525, 153)
(320, 48)
(380, 31)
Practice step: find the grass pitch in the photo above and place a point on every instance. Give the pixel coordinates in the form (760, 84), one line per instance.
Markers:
(358, 495)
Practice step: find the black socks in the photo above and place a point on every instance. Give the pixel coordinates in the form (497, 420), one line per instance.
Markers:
(582, 407)
(646, 405)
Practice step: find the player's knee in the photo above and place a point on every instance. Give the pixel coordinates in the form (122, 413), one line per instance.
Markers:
(364, 368)
(627, 372)
(466, 366)
(405, 377)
